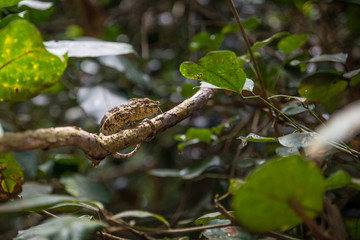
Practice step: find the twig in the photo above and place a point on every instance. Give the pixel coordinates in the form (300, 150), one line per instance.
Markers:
(311, 224)
(97, 147)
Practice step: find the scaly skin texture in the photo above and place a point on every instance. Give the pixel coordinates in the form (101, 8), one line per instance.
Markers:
(127, 115)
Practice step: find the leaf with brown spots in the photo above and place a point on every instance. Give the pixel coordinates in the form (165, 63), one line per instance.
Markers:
(26, 67)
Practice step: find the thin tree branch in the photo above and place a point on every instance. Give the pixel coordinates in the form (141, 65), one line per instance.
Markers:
(98, 147)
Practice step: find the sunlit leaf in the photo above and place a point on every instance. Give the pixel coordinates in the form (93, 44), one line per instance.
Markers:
(85, 188)
(268, 40)
(26, 68)
(62, 228)
(262, 203)
(36, 4)
(301, 139)
(322, 87)
(11, 176)
(292, 42)
(8, 3)
(219, 68)
(140, 214)
(89, 48)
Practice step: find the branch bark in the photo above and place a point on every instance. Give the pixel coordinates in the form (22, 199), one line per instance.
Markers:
(96, 147)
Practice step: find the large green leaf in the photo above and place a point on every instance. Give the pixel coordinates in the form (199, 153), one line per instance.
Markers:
(26, 68)
(292, 42)
(219, 68)
(322, 87)
(85, 188)
(262, 203)
(62, 228)
(8, 3)
(35, 203)
(11, 176)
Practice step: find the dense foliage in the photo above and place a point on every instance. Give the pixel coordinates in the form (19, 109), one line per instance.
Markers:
(253, 163)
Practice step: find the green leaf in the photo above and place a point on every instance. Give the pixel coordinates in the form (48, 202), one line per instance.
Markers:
(11, 176)
(354, 76)
(322, 87)
(141, 214)
(195, 170)
(298, 140)
(34, 203)
(262, 203)
(204, 219)
(62, 228)
(85, 188)
(337, 180)
(219, 68)
(206, 41)
(26, 68)
(8, 3)
(252, 137)
(294, 108)
(204, 135)
(235, 184)
(268, 41)
(291, 43)
(338, 57)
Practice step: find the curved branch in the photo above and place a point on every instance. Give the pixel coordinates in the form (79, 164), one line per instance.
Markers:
(97, 147)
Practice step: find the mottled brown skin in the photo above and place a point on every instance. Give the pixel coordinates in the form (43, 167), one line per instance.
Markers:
(127, 115)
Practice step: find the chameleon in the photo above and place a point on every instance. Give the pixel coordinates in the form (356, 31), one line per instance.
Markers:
(127, 115)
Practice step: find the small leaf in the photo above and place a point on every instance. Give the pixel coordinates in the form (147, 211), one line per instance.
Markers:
(219, 68)
(235, 184)
(141, 214)
(195, 170)
(262, 203)
(85, 188)
(8, 3)
(338, 57)
(204, 135)
(204, 219)
(206, 41)
(292, 42)
(337, 180)
(294, 108)
(89, 48)
(11, 176)
(322, 87)
(252, 137)
(268, 41)
(26, 68)
(298, 140)
(62, 228)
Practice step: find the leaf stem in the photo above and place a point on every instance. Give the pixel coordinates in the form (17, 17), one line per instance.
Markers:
(248, 46)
